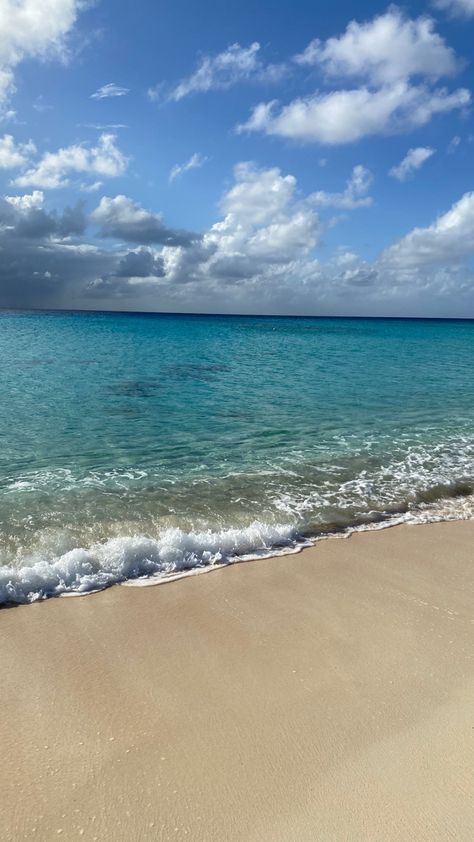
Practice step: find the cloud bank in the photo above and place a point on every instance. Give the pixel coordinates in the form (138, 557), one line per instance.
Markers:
(263, 254)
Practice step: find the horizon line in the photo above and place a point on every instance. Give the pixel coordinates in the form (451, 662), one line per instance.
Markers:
(151, 313)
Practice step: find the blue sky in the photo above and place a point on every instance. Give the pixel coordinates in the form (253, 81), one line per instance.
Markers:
(238, 157)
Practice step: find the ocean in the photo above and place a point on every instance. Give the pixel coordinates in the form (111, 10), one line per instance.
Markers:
(136, 447)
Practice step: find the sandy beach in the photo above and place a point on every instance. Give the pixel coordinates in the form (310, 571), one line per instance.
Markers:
(327, 695)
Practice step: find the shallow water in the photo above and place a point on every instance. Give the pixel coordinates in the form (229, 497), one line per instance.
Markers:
(141, 445)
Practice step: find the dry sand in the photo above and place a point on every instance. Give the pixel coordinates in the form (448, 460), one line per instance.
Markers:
(323, 696)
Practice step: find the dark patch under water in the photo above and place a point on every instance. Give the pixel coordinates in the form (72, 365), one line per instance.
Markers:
(134, 389)
(461, 488)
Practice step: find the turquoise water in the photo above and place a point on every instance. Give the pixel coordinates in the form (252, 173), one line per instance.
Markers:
(139, 445)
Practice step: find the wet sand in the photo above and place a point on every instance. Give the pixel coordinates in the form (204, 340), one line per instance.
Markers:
(322, 696)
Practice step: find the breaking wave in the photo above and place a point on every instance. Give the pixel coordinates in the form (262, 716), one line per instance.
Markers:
(84, 570)
(140, 559)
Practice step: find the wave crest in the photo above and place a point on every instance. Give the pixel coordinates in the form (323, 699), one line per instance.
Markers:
(83, 570)
(142, 559)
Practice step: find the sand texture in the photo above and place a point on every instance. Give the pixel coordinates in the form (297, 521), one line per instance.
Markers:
(323, 696)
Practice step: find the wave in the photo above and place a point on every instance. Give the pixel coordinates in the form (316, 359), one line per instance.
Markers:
(143, 560)
(84, 570)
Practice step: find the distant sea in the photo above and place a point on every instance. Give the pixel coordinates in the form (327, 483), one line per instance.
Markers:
(134, 447)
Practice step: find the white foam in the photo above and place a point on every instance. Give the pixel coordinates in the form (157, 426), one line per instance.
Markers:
(54, 571)
(83, 570)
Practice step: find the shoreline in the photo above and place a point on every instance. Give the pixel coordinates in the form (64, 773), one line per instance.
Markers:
(324, 696)
(68, 576)
(309, 543)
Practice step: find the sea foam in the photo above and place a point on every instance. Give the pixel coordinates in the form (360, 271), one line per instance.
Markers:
(140, 559)
(83, 570)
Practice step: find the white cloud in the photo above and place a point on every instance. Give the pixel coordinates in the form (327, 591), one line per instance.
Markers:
(447, 241)
(396, 61)
(54, 168)
(122, 211)
(458, 8)
(9, 116)
(91, 188)
(101, 127)
(453, 144)
(390, 48)
(347, 271)
(27, 202)
(412, 161)
(13, 154)
(219, 72)
(109, 90)
(156, 92)
(265, 229)
(32, 29)
(258, 257)
(346, 116)
(354, 195)
(346, 258)
(194, 162)
(258, 195)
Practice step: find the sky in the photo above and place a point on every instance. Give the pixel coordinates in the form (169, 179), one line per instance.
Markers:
(296, 158)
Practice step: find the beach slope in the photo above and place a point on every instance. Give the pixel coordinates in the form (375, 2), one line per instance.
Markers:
(322, 696)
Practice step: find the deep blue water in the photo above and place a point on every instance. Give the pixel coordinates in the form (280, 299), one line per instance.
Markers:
(139, 445)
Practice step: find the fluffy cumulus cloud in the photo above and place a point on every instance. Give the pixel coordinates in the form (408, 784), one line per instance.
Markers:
(55, 169)
(258, 195)
(413, 160)
(385, 50)
(28, 201)
(346, 116)
(355, 194)
(125, 220)
(194, 162)
(259, 256)
(32, 29)
(396, 62)
(110, 90)
(448, 241)
(258, 249)
(221, 71)
(12, 154)
(264, 233)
